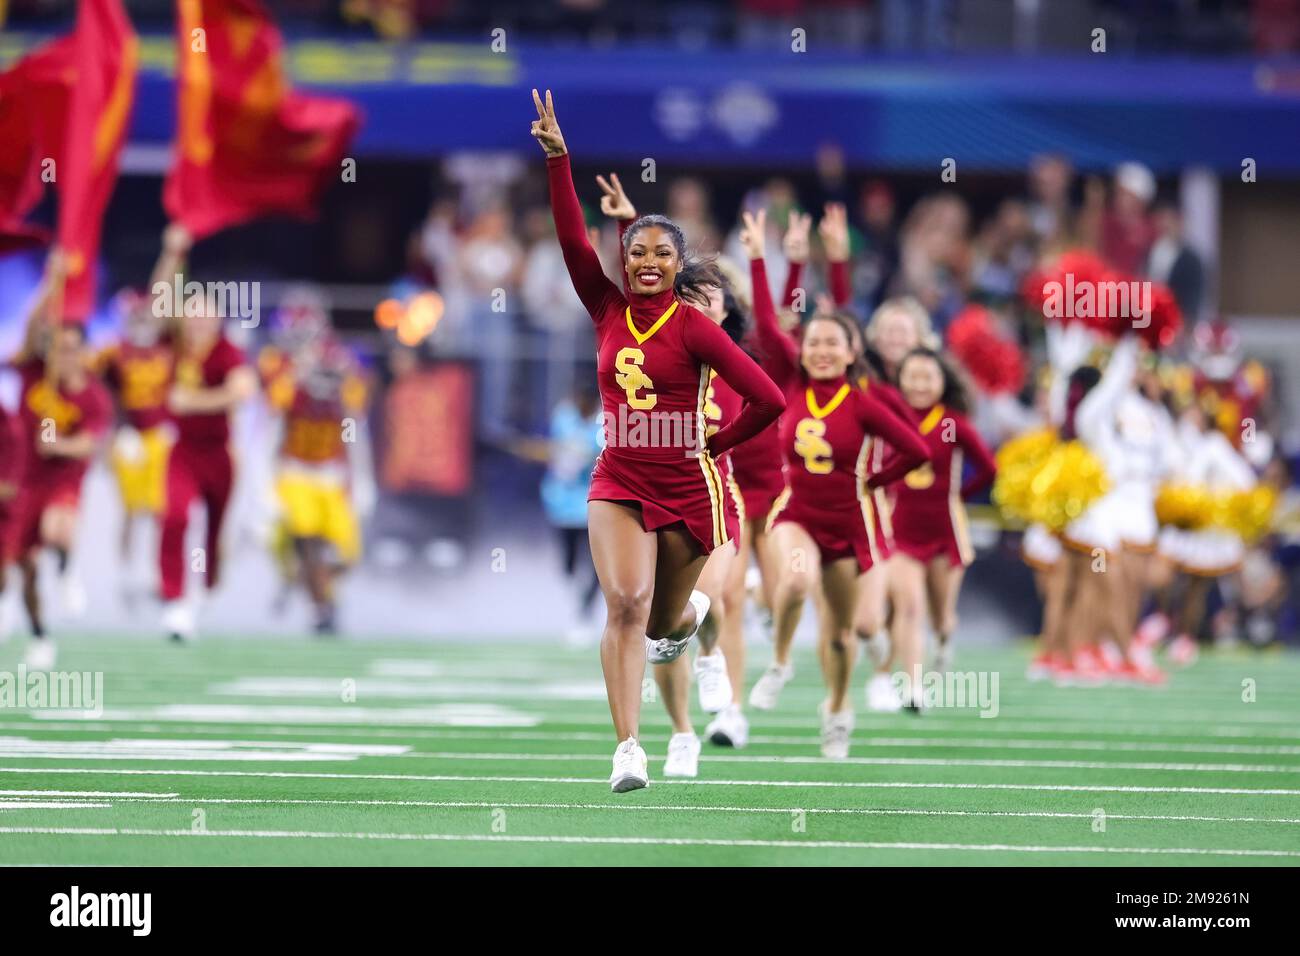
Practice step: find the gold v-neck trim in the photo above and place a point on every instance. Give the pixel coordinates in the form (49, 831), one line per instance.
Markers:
(819, 411)
(931, 420)
(641, 337)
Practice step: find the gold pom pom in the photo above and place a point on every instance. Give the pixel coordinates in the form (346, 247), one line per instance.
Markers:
(1018, 461)
(1188, 507)
(1070, 479)
(1248, 514)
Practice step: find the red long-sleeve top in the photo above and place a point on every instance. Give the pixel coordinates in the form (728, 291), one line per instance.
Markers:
(829, 424)
(654, 352)
(841, 290)
(952, 441)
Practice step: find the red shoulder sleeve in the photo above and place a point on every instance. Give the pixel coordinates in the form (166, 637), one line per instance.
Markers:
(878, 419)
(589, 280)
(779, 353)
(762, 400)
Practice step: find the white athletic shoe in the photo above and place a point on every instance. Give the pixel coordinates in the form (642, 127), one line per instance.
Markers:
(730, 728)
(943, 656)
(836, 730)
(666, 649)
(877, 646)
(712, 682)
(178, 621)
(41, 654)
(683, 756)
(72, 595)
(629, 768)
(768, 689)
(882, 695)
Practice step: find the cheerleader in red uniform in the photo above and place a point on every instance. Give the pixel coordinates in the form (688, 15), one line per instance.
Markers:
(657, 500)
(721, 653)
(931, 536)
(819, 527)
(896, 328)
(64, 413)
(209, 381)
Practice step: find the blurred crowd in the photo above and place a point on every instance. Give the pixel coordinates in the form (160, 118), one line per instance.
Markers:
(488, 247)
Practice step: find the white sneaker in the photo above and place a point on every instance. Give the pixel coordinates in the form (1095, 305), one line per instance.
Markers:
(730, 728)
(72, 595)
(629, 768)
(666, 649)
(712, 682)
(768, 689)
(683, 756)
(178, 620)
(943, 655)
(882, 695)
(41, 654)
(836, 730)
(877, 646)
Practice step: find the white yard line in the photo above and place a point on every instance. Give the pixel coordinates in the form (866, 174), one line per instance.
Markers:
(52, 805)
(586, 781)
(1046, 741)
(339, 720)
(635, 841)
(83, 793)
(891, 762)
(877, 811)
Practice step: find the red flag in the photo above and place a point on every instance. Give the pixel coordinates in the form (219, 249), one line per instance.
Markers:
(246, 144)
(99, 113)
(33, 110)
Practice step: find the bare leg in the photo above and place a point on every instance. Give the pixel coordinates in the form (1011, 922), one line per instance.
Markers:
(869, 617)
(1055, 585)
(678, 563)
(798, 571)
(712, 583)
(840, 592)
(764, 556)
(31, 593)
(907, 591)
(674, 682)
(624, 554)
(943, 584)
(731, 635)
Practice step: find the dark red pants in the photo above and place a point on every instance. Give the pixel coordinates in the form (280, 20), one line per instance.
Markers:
(193, 471)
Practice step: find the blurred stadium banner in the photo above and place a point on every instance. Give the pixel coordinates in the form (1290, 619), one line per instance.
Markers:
(894, 112)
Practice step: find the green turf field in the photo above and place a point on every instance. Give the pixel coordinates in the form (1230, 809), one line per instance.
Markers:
(242, 752)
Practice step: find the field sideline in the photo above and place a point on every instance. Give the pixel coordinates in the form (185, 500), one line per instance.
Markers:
(243, 752)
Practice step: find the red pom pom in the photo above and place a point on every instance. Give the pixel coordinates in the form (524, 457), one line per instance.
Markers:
(1166, 318)
(1074, 269)
(1033, 289)
(996, 365)
(1114, 305)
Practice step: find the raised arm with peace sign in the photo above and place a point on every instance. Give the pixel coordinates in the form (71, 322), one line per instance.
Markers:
(546, 129)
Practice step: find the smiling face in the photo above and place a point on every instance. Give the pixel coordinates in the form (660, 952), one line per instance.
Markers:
(826, 352)
(652, 261)
(921, 381)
